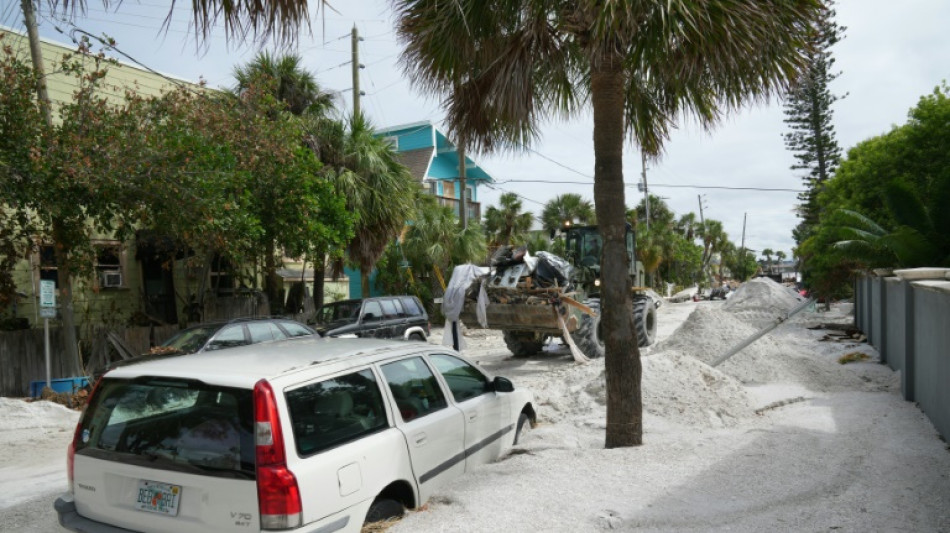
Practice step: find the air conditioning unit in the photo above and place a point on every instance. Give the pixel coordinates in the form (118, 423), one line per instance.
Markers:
(110, 279)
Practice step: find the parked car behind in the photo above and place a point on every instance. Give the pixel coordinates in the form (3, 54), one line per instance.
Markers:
(385, 317)
(219, 335)
(311, 435)
(231, 333)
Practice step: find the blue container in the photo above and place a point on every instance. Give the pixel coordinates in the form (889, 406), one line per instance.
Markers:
(70, 385)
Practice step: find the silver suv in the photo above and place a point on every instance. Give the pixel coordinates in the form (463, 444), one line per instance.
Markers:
(307, 435)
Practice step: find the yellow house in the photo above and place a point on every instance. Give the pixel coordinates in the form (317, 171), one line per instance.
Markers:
(142, 279)
(128, 277)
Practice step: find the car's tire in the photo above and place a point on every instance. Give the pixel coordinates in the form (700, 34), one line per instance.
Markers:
(587, 335)
(523, 428)
(523, 343)
(417, 337)
(384, 509)
(644, 320)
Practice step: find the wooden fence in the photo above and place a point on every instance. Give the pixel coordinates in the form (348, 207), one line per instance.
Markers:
(22, 358)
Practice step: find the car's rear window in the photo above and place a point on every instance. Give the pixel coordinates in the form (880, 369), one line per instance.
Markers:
(172, 424)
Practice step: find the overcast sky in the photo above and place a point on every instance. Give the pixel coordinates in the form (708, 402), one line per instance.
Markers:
(893, 53)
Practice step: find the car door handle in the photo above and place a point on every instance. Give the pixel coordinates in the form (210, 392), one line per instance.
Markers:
(472, 416)
(420, 439)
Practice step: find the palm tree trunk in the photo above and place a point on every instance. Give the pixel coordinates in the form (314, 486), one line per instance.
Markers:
(364, 282)
(624, 397)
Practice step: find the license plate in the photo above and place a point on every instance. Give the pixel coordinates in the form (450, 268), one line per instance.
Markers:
(156, 497)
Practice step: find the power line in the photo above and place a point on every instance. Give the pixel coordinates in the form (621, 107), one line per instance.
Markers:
(689, 186)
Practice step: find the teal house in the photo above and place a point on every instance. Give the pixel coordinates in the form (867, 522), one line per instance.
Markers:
(433, 160)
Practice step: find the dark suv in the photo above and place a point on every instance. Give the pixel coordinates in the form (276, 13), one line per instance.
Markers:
(386, 317)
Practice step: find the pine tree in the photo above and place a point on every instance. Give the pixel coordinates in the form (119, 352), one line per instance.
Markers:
(808, 114)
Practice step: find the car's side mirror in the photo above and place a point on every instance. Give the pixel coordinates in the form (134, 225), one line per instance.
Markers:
(369, 317)
(500, 384)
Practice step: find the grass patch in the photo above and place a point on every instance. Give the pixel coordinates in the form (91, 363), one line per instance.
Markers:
(853, 357)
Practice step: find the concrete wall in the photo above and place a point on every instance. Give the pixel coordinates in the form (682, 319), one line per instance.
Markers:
(932, 352)
(909, 323)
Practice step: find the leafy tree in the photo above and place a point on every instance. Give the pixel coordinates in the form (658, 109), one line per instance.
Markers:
(566, 209)
(285, 80)
(507, 224)
(889, 193)
(641, 65)
(809, 116)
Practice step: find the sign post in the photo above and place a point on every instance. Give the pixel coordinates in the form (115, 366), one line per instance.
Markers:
(47, 311)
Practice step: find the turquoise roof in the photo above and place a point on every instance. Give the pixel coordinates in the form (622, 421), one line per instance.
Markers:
(444, 163)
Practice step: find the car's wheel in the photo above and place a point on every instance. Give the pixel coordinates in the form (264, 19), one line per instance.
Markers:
(524, 427)
(587, 335)
(417, 337)
(523, 343)
(644, 320)
(384, 509)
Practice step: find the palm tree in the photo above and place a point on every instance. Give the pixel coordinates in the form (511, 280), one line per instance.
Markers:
(918, 239)
(378, 188)
(767, 254)
(287, 80)
(507, 224)
(436, 240)
(565, 210)
(641, 65)
(780, 256)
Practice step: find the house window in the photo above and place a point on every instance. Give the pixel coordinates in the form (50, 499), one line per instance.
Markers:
(48, 269)
(392, 141)
(109, 271)
(448, 189)
(222, 276)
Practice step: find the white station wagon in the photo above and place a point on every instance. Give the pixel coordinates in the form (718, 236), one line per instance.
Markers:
(315, 435)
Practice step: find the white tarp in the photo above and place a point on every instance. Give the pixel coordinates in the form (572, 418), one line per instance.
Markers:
(454, 300)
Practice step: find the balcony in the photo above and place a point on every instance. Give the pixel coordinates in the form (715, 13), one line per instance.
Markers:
(474, 208)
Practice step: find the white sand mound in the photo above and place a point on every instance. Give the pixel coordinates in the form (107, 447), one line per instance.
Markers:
(20, 414)
(676, 387)
(761, 300)
(708, 333)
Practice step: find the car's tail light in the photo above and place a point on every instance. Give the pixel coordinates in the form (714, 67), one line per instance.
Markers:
(77, 435)
(277, 491)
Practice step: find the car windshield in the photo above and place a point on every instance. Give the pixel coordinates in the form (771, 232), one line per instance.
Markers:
(192, 339)
(339, 311)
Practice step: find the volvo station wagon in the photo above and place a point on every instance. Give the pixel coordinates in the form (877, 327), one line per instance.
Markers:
(308, 435)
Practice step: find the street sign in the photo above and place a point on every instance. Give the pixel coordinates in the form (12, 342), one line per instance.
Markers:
(47, 312)
(47, 293)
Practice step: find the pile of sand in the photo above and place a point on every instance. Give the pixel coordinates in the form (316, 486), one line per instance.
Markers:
(762, 300)
(709, 333)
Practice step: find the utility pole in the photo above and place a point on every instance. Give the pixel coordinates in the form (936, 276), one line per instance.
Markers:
(646, 190)
(354, 43)
(702, 221)
(463, 207)
(36, 54)
(742, 247)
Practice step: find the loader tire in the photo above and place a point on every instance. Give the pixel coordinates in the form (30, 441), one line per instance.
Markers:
(523, 343)
(587, 335)
(644, 320)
